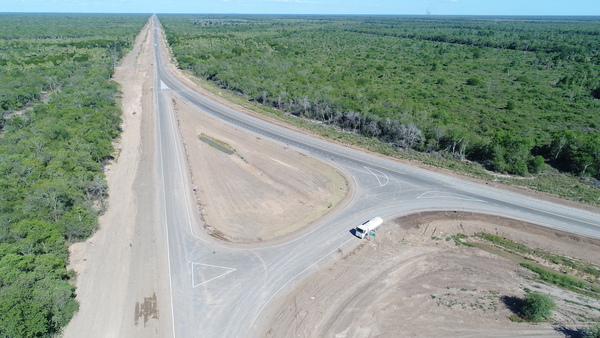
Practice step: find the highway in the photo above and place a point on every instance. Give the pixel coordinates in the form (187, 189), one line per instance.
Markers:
(218, 290)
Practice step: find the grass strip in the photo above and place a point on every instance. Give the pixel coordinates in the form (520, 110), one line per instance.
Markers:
(565, 282)
(514, 247)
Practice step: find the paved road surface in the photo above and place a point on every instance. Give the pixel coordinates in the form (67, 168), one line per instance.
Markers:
(222, 291)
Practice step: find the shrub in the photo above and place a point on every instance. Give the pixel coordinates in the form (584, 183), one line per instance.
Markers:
(564, 281)
(592, 331)
(536, 164)
(510, 105)
(473, 81)
(537, 307)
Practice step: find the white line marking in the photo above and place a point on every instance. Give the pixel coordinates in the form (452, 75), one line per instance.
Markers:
(164, 197)
(229, 270)
(372, 171)
(161, 164)
(449, 195)
(175, 132)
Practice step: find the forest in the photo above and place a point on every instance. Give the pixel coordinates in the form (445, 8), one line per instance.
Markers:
(516, 95)
(59, 114)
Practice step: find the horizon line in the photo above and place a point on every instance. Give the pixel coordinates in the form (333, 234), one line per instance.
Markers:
(329, 14)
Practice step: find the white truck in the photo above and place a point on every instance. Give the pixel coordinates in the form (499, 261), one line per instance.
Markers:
(368, 226)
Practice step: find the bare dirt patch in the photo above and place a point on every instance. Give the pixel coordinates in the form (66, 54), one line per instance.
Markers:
(413, 280)
(249, 188)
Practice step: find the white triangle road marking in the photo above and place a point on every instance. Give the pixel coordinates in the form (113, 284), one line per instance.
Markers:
(163, 86)
(204, 273)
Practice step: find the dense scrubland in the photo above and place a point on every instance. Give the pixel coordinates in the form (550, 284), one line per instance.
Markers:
(515, 95)
(59, 115)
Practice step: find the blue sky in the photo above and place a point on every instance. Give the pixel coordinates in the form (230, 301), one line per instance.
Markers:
(435, 7)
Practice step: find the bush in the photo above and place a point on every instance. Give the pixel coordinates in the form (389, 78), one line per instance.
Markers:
(510, 105)
(592, 331)
(473, 81)
(536, 164)
(537, 307)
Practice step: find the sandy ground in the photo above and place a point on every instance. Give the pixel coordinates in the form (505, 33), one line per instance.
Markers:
(119, 284)
(410, 281)
(251, 189)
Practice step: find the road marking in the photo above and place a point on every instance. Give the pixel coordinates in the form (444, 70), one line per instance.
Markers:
(208, 272)
(530, 208)
(372, 171)
(282, 163)
(182, 174)
(164, 203)
(442, 194)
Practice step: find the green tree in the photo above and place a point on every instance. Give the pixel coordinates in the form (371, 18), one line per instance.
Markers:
(59, 67)
(536, 164)
(511, 153)
(510, 105)
(473, 81)
(537, 307)
(577, 152)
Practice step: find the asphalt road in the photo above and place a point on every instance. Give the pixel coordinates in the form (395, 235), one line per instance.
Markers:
(222, 291)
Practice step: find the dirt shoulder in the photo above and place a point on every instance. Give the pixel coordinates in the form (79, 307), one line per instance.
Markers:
(120, 284)
(410, 280)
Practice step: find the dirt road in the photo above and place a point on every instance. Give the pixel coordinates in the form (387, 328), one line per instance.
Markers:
(121, 285)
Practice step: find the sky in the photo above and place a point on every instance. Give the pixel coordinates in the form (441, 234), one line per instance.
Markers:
(398, 7)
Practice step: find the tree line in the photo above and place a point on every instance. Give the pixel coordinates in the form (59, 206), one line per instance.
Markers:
(59, 115)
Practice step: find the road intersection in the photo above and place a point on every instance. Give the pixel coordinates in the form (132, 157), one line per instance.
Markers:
(219, 290)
